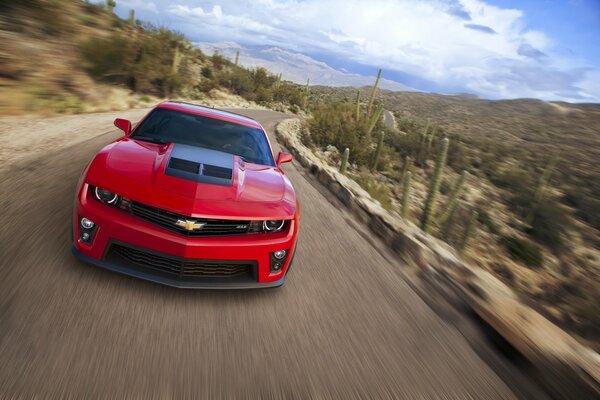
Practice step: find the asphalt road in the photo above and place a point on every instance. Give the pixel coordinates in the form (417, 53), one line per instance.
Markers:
(345, 324)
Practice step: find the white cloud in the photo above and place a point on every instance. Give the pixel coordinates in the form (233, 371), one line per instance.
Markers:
(138, 5)
(452, 43)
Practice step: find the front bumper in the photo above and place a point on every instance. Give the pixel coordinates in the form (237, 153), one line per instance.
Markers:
(174, 281)
(115, 228)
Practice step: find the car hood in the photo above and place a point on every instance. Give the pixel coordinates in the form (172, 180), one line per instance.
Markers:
(145, 172)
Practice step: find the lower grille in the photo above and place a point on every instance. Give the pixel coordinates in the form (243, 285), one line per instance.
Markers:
(182, 267)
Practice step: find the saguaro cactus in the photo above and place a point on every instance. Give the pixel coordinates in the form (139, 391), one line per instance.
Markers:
(378, 151)
(540, 188)
(373, 93)
(357, 106)
(429, 141)
(434, 187)
(421, 152)
(374, 120)
(237, 57)
(447, 227)
(306, 92)
(110, 6)
(344, 164)
(175, 62)
(406, 193)
(468, 230)
(132, 17)
(405, 169)
(544, 179)
(278, 81)
(453, 199)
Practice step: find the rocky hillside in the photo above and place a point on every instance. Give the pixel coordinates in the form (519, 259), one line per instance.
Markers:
(75, 56)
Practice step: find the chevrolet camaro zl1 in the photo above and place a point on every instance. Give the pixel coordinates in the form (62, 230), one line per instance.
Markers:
(190, 197)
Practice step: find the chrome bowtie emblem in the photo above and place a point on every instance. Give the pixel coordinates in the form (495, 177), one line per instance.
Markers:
(190, 225)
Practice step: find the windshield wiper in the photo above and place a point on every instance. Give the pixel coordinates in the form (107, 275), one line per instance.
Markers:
(151, 139)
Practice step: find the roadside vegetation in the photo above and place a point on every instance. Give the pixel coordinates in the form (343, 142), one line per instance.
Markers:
(524, 210)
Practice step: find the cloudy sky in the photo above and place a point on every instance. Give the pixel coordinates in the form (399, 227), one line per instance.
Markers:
(548, 49)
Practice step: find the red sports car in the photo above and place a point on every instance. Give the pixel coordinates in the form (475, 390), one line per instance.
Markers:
(190, 197)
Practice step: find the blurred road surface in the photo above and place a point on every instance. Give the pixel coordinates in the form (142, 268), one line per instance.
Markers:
(345, 324)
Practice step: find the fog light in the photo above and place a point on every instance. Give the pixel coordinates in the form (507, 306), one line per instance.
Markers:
(276, 266)
(279, 254)
(87, 230)
(86, 223)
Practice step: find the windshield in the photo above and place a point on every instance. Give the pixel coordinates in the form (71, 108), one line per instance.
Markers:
(166, 126)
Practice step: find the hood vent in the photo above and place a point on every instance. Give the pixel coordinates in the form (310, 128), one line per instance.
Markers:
(217, 172)
(184, 165)
(201, 165)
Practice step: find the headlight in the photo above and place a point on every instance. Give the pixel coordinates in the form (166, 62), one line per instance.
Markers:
(106, 197)
(273, 226)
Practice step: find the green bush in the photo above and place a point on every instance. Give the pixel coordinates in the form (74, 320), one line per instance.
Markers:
(586, 201)
(406, 144)
(549, 223)
(144, 63)
(486, 220)
(378, 191)
(291, 94)
(523, 250)
(514, 179)
(335, 124)
(207, 72)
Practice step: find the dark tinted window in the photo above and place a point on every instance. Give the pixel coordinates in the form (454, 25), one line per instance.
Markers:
(195, 130)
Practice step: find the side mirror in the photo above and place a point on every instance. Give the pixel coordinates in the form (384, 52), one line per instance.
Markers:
(283, 157)
(124, 125)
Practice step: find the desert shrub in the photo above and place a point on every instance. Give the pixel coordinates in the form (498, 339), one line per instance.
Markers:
(239, 81)
(107, 57)
(586, 201)
(549, 223)
(252, 84)
(144, 62)
(513, 178)
(291, 94)
(335, 124)
(486, 220)
(263, 95)
(68, 104)
(378, 191)
(445, 187)
(206, 85)
(207, 72)
(406, 144)
(589, 314)
(523, 250)
(457, 158)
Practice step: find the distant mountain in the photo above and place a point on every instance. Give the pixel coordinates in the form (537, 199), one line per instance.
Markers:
(296, 67)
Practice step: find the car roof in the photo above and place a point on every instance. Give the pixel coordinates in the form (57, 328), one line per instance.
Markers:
(209, 112)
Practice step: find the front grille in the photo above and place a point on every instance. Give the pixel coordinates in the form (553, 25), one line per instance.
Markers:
(210, 227)
(182, 267)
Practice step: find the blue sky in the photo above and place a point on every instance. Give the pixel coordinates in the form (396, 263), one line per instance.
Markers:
(547, 49)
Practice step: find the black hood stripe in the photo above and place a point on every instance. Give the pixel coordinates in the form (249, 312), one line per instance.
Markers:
(200, 165)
